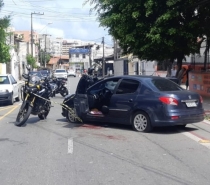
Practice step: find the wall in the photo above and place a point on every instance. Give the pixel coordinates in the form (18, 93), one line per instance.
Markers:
(200, 83)
(2, 68)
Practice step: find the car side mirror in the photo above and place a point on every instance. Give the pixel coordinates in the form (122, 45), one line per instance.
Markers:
(14, 82)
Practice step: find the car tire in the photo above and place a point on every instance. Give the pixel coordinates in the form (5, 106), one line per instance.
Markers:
(11, 101)
(70, 116)
(141, 122)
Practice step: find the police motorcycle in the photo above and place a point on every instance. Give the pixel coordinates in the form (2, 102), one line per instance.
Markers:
(59, 86)
(36, 95)
(71, 106)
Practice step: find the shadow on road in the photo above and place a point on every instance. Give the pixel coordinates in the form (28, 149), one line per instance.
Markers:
(156, 130)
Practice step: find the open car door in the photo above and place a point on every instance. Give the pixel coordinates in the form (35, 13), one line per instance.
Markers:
(81, 100)
(81, 105)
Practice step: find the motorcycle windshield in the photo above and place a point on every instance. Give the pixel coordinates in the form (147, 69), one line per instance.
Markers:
(34, 79)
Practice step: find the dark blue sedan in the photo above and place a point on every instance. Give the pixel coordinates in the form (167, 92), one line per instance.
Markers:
(141, 101)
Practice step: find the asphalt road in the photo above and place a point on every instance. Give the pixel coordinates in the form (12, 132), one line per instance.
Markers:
(55, 152)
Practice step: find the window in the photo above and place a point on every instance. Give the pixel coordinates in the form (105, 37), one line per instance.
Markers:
(109, 84)
(83, 56)
(127, 86)
(60, 71)
(77, 55)
(12, 79)
(165, 85)
(4, 80)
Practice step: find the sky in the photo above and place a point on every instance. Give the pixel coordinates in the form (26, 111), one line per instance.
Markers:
(68, 19)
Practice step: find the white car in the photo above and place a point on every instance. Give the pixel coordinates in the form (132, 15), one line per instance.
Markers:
(9, 89)
(60, 73)
(71, 73)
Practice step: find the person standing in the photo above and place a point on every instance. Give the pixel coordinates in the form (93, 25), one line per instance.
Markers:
(187, 76)
(181, 75)
(173, 71)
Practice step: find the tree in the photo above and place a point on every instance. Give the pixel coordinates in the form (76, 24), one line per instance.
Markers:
(154, 29)
(31, 61)
(4, 48)
(44, 57)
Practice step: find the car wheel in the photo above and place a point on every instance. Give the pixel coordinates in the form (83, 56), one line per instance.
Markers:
(71, 116)
(11, 101)
(141, 122)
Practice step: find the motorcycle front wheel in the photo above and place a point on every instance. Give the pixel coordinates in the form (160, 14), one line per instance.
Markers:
(44, 115)
(64, 91)
(23, 114)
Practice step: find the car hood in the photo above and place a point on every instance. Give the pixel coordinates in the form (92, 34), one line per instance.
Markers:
(6, 87)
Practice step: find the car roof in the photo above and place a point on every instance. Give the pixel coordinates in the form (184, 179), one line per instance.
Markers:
(136, 77)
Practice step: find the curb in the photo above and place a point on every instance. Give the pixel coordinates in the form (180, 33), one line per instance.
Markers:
(206, 121)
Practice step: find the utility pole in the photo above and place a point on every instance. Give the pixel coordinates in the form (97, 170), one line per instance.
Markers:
(32, 40)
(90, 63)
(103, 61)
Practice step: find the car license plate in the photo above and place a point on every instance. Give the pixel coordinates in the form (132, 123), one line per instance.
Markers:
(191, 104)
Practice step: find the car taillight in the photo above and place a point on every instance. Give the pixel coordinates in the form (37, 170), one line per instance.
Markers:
(168, 100)
(201, 99)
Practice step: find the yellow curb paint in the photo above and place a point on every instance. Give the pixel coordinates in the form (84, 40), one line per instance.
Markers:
(6, 108)
(8, 112)
(204, 141)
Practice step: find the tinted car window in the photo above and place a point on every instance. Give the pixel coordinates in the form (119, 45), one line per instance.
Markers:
(60, 71)
(109, 84)
(4, 80)
(127, 86)
(165, 85)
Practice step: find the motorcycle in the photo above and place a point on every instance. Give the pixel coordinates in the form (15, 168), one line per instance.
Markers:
(36, 98)
(59, 86)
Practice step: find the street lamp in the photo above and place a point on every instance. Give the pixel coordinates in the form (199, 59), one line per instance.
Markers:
(45, 26)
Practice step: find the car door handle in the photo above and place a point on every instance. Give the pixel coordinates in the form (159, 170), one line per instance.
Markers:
(131, 100)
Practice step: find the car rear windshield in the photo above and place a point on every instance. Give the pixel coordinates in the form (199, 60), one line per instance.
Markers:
(4, 80)
(165, 85)
(60, 71)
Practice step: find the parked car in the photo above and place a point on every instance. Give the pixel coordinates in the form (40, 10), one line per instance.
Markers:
(46, 73)
(9, 89)
(72, 73)
(60, 73)
(141, 101)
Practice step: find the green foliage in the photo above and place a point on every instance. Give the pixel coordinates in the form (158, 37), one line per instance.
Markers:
(4, 53)
(31, 61)
(44, 57)
(155, 29)
(4, 48)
